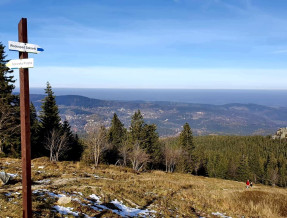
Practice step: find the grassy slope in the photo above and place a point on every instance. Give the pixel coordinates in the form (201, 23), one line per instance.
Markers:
(168, 194)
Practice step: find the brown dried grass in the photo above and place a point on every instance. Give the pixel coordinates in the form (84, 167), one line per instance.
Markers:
(169, 194)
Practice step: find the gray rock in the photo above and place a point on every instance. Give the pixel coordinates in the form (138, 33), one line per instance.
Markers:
(64, 200)
(4, 178)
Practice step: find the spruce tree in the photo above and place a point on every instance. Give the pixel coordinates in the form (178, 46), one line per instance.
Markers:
(49, 118)
(116, 136)
(6, 81)
(186, 142)
(272, 173)
(75, 149)
(186, 138)
(34, 128)
(152, 146)
(117, 131)
(256, 166)
(9, 110)
(146, 137)
(137, 124)
(243, 170)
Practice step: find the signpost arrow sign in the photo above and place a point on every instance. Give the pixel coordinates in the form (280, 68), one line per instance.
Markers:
(24, 47)
(21, 63)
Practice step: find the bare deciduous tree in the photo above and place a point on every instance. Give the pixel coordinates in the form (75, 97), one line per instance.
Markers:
(138, 157)
(124, 151)
(97, 142)
(274, 176)
(172, 156)
(56, 144)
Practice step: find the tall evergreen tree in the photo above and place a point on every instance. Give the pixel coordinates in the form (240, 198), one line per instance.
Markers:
(117, 131)
(116, 136)
(75, 149)
(243, 170)
(256, 166)
(34, 126)
(6, 82)
(49, 115)
(186, 142)
(186, 138)
(272, 173)
(49, 118)
(282, 162)
(137, 124)
(9, 110)
(146, 137)
(217, 165)
(151, 146)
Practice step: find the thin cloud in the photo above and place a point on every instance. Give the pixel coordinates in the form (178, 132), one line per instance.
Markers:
(173, 78)
(284, 51)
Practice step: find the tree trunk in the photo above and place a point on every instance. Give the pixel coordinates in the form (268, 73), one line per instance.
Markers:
(1, 147)
(51, 155)
(96, 156)
(166, 167)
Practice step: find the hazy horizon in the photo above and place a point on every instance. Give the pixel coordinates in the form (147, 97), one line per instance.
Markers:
(272, 98)
(44, 87)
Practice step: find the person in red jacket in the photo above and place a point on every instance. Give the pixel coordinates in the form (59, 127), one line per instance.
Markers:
(247, 183)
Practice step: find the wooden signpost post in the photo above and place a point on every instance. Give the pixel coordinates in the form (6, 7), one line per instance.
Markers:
(23, 64)
(25, 125)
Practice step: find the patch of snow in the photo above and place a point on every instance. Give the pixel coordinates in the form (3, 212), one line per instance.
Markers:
(80, 193)
(12, 175)
(7, 163)
(8, 194)
(65, 210)
(127, 211)
(17, 193)
(96, 176)
(95, 197)
(78, 200)
(121, 209)
(45, 191)
(41, 167)
(51, 194)
(35, 192)
(220, 215)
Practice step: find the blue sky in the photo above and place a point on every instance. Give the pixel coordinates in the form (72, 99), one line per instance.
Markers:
(186, 44)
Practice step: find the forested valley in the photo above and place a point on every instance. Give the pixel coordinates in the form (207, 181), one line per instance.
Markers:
(258, 158)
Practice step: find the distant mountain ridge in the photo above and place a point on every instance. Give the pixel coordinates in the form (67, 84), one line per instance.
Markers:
(236, 119)
(269, 98)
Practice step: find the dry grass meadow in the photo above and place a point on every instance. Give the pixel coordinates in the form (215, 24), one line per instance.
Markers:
(162, 194)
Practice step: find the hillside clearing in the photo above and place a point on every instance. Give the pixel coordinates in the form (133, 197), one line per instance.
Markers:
(110, 191)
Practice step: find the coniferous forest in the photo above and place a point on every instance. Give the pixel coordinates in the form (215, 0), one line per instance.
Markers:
(258, 158)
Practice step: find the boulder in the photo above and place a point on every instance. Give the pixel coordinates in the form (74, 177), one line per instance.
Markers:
(64, 200)
(4, 178)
